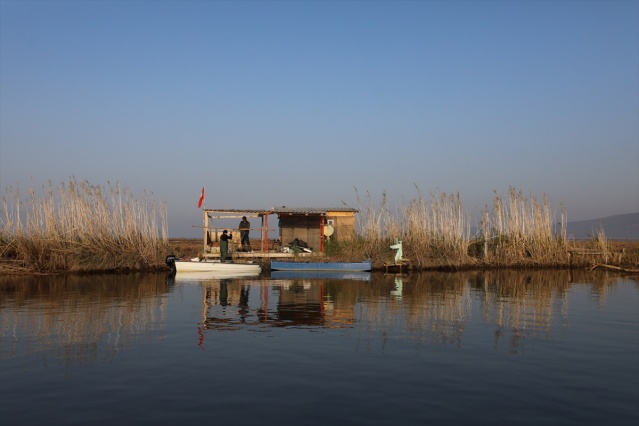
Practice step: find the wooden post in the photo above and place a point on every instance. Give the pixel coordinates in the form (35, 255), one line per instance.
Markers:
(206, 230)
(322, 234)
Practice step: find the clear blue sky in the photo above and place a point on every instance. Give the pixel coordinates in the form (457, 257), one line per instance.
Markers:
(296, 103)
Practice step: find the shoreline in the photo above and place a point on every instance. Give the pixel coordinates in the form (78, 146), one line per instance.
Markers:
(620, 256)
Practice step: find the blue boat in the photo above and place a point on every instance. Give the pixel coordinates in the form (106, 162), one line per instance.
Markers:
(321, 266)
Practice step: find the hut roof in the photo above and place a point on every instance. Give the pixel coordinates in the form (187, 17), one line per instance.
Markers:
(252, 211)
(286, 210)
(311, 210)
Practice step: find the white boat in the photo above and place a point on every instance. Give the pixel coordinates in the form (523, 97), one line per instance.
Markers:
(227, 268)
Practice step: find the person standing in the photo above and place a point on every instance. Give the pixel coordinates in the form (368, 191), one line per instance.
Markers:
(245, 226)
(224, 245)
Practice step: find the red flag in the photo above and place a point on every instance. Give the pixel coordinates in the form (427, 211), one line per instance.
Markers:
(199, 203)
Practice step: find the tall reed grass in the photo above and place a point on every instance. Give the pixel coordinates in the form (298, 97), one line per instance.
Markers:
(77, 226)
(522, 230)
(517, 231)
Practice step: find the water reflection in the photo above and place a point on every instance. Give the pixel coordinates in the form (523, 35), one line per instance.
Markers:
(284, 300)
(430, 308)
(79, 318)
(346, 275)
(83, 318)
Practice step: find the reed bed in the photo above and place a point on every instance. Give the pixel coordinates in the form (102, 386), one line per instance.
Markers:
(78, 227)
(516, 231)
(434, 232)
(522, 231)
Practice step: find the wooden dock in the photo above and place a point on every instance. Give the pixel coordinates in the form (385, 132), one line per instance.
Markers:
(256, 254)
(398, 267)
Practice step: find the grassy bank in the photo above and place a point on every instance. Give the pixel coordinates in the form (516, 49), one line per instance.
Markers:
(585, 254)
(79, 227)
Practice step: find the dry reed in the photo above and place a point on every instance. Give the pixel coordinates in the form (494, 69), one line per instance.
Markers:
(518, 231)
(521, 231)
(78, 226)
(434, 233)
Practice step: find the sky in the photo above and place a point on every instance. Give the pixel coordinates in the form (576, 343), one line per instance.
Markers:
(324, 103)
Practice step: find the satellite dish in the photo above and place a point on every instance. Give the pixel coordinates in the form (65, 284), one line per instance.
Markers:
(328, 230)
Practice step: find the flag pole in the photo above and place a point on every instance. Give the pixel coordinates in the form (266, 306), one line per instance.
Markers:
(205, 221)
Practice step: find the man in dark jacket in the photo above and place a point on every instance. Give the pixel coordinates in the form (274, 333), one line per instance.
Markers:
(224, 245)
(245, 226)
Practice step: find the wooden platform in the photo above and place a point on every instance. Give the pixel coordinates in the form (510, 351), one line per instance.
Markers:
(396, 267)
(256, 254)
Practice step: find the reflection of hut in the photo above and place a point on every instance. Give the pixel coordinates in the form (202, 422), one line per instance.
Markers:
(313, 225)
(301, 304)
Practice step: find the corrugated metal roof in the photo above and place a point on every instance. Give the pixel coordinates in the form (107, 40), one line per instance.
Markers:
(312, 210)
(286, 210)
(253, 211)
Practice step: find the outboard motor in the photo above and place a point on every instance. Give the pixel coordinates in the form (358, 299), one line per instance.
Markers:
(170, 262)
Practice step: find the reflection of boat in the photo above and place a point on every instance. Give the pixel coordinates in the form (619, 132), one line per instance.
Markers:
(211, 275)
(346, 275)
(179, 265)
(321, 266)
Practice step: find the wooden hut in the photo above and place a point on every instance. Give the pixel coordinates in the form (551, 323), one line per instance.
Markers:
(212, 232)
(315, 225)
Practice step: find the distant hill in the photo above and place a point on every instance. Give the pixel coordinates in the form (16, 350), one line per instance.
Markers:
(618, 227)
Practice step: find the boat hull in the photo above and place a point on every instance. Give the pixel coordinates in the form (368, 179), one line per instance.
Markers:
(218, 267)
(321, 266)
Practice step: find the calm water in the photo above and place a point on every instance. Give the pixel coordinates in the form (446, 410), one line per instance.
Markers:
(534, 348)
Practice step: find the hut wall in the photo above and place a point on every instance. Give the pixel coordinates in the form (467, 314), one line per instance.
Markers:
(305, 228)
(343, 226)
